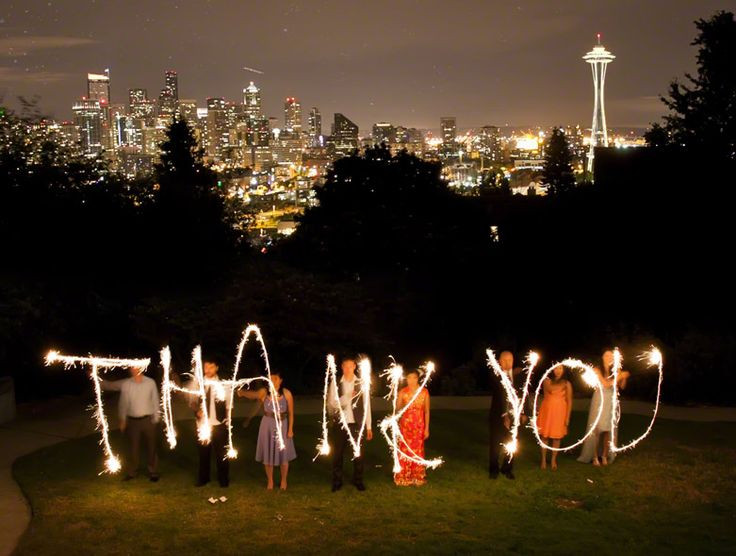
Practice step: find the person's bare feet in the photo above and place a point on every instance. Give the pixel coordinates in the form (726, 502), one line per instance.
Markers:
(544, 464)
(554, 466)
(283, 485)
(269, 486)
(596, 462)
(604, 461)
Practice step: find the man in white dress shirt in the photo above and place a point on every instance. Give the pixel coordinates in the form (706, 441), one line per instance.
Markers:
(355, 407)
(138, 413)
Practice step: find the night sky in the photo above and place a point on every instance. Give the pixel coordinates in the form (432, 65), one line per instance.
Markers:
(408, 62)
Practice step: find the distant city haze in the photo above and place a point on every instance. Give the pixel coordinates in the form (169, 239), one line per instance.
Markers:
(406, 62)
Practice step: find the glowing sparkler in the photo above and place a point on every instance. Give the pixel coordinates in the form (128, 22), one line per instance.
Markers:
(590, 378)
(224, 390)
(97, 364)
(654, 358)
(390, 426)
(516, 402)
(331, 392)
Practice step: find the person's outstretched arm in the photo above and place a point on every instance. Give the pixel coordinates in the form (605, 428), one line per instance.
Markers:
(290, 405)
(426, 416)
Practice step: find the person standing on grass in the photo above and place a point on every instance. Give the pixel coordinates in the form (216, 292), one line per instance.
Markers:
(216, 395)
(352, 403)
(596, 446)
(500, 417)
(414, 427)
(268, 449)
(554, 413)
(138, 413)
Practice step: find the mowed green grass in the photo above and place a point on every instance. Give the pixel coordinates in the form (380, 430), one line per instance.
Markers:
(674, 493)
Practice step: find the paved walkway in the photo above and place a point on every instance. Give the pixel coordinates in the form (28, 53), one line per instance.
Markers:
(45, 423)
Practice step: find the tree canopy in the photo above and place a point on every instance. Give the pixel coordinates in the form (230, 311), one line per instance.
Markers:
(557, 175)
(702, 115)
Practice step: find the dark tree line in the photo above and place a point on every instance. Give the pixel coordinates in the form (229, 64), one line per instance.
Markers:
(391, 260)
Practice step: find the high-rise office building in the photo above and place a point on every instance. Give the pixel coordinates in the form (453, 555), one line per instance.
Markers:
(598, 58)
(344, 138)
(168, 98)
(88, 119)
(490, 144)
(217, 131)
(171, 83)
(137, 95)
(292, 115)
(188, 111)
(383, 132)
(315, 126)
(448, 126)
(252, 102)
(98, 87)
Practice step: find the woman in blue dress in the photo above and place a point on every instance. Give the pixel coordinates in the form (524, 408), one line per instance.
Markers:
(268, 451)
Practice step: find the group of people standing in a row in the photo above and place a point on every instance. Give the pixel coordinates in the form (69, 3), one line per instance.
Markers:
(139, 414)
(553, 417)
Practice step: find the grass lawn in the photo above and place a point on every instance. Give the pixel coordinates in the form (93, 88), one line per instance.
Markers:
(674, 493)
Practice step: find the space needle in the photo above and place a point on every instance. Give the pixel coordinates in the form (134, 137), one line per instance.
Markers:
(598, 58)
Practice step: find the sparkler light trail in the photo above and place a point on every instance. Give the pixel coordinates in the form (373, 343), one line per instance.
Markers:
(654, 358)
(331, 391)
(224, 390)
(516, 403)
(389, 425)
(97, 364)
(591, 379)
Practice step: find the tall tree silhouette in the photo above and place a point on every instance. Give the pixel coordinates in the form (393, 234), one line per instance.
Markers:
(189, 207)
(557, 175)
(703, 110)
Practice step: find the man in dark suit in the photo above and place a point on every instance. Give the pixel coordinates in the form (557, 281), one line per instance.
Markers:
(501, 418)
(215, 396)
(355, 407)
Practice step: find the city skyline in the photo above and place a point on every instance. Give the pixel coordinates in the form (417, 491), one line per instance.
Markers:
(513, 65)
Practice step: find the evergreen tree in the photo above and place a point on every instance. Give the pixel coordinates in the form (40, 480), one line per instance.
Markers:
(189, 209)
(703, 110)
(557, 175)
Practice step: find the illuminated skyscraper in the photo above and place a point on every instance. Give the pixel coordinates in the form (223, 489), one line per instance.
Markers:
(252, 101)
(448, 128)
(490, 145)
(383, 132)
(171, 83)
(292, 115)
(315, 126)
(88, 119)
(217, 137)
(98, 87)
(169, 97)
(344, 138)
(137, 95)
(598, 58)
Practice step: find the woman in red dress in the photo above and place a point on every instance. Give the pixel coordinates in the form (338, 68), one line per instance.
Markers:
(414, 425)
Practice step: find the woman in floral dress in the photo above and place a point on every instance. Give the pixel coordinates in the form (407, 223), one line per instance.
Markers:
(414, 425)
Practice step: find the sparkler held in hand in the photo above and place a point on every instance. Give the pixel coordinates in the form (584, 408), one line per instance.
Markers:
(507, 411)
(96, 366)
(401, 450)
(346, 409)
